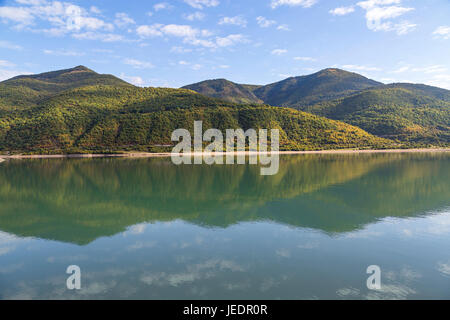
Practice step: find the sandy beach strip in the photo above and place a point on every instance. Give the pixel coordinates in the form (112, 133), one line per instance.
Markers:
(235, 153)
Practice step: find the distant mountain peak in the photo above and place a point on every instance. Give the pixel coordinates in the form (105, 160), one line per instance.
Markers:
(81, 68)
(50, 83)
(332, 70)
(326, 84)
(226, 90)
(337, 72)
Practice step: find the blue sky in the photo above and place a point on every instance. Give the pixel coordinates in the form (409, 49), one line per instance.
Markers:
(178, 42)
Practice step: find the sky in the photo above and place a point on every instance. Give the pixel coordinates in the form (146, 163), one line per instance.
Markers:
(179, 42)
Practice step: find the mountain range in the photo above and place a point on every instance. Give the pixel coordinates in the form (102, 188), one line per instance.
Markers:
(78, 110)
(413, 113)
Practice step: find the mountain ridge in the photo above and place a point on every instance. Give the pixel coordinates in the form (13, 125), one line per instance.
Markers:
(225, 89)
(101, 114)
(78, 110)
(309, 89)
(27, 90)
(405, 112)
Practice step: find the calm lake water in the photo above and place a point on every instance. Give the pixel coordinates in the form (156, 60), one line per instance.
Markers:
(147, 229)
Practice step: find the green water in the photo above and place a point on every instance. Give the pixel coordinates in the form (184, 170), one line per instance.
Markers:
(147, 229)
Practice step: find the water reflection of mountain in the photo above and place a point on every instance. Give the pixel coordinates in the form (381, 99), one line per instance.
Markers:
(80, 200)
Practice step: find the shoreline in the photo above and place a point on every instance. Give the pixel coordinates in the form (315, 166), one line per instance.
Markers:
(236, 153)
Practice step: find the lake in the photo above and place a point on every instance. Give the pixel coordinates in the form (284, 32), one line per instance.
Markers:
(147, 229)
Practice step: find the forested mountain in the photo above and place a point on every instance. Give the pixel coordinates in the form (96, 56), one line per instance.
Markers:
(404, 112)
(28, 90)
(226, 90)
(78, 110)
(307, 90)
(292, 92)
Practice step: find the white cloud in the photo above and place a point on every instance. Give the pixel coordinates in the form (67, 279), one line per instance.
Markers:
(373, 3)
(95, 10)
(304, 3)
(205, 270)
(433, 75)
(305, 59)
(8, 74)
(138, 64)
(440, 80)
(279, 52)
(123, 20)
(67, 53)
(283, 27)
(238, 21)
(200, 4)
(89, 23)
(230, 40)
(192, 66)
(284, 253)
(33, 2)
(444, 268)
(401, 69)
(201, 42)
(379, 12)
(177, 30)
(149, 31)
(426, 70)
(178, 49)
(137, 81)
(195, 16)
(104, 37)
(63, 17)
(17, 14)
(265, 23)
(5, 250)
(5, 63)
(442, 32)
(9, 45)
(383, 13)
(342, 11)
(353, 67)
(162, 6)
(404, 27)
(190, 35)
(432, 69)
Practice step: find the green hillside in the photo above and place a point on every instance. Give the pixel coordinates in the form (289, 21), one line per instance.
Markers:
(423, 90)
(307, 90)
(116, 116)
(226, 90)
(79, 110)
(27, 91)
(403, 112)
(251, 87)
(106, 119)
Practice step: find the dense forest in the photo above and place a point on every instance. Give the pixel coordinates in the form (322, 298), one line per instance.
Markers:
(227, 90)
(410, 114)
(79, 111)
(396, 112)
